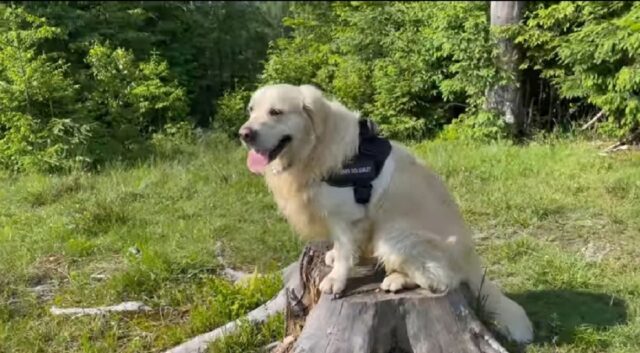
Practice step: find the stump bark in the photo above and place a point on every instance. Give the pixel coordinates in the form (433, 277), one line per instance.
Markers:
(365, 319)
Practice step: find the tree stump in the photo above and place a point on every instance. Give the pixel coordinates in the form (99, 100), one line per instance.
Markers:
(365, 319)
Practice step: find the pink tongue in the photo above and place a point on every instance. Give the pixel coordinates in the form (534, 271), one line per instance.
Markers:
(257, 162)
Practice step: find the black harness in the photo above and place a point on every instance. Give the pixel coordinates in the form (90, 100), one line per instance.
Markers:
(364, 167)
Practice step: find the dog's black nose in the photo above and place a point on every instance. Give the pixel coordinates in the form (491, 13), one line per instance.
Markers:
(248, 134)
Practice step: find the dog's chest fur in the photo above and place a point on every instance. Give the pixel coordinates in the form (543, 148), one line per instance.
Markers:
(311, 208)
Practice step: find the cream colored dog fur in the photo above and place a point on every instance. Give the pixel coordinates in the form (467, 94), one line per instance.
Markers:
(411, 225)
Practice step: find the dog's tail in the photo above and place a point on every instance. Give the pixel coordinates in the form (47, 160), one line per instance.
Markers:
(510, 318)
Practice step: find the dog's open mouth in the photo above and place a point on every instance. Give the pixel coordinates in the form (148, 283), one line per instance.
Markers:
(258, 160)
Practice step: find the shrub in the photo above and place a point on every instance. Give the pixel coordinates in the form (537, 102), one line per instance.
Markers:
(415, 68)
(174, 139)
(39, 124)
(398, 63)
(83, 84)
(483, 126)
(589, 51)
(232, 111)
(129, 100)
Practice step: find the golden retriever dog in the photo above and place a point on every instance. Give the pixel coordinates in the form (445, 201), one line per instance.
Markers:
(297, 138)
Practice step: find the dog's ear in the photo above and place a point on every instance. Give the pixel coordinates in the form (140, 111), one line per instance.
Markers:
(314, 105)
(312, 99)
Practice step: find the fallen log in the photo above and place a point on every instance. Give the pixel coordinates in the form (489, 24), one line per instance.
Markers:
(623, 144)
(101, 310)
(259, 315)
(593, 121)
(365, 319)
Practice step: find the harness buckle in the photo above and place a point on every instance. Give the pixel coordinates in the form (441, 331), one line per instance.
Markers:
(362, 193)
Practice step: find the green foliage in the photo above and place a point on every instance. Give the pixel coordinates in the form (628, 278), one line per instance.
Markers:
(417, 67)
(48, 122)
(481, 127)
(172, 139)
(589, 51)
(129, 100)
(209, 46)
(301, 57)
(82, 83)
(39, 128)
(232, 111)
(399, 63)
(86, 83)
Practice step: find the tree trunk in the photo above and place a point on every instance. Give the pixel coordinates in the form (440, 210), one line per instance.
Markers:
(507, 99)
(365, 319)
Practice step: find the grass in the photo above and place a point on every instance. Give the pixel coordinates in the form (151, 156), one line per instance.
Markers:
(558, 225)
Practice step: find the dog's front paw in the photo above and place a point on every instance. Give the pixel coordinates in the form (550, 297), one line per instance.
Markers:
(330, 257)
(332, 284)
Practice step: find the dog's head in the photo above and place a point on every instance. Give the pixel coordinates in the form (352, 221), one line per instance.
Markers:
(284, 124)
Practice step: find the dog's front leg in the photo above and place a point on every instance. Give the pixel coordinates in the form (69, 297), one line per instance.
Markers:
(330, 256)
(344, 255)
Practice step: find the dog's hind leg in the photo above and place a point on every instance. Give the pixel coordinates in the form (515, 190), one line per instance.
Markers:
(397, 281)
(418, 259)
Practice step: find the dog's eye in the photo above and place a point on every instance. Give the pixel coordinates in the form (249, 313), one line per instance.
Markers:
(275, 112)
(249, 109)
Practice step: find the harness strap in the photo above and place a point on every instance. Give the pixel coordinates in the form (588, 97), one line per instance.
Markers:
(362, 192)
(365, 166)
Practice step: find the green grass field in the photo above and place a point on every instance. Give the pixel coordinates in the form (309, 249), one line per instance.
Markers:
(558, 225)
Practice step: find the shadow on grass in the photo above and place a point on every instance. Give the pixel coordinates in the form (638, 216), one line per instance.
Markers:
(558, 314)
